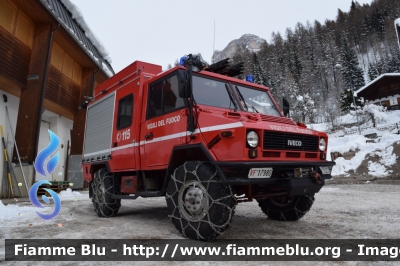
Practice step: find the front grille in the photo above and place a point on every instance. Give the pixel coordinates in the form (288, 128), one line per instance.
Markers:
(288, 141)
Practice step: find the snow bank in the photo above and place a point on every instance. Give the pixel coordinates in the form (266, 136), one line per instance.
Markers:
(13, 212)
(383, 149)
(347, 143)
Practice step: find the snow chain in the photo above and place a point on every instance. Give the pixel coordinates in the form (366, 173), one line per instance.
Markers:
(218, 229)
(106, 205)
(297, 211)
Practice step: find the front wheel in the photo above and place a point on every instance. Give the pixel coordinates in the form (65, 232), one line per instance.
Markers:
(102, 188)
(199, 205)
(286, 208)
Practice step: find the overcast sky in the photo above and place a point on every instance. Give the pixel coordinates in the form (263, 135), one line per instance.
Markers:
(159, 31)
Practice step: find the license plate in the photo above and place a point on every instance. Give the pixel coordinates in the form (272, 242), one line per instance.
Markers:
(326, 170)
(260, 172)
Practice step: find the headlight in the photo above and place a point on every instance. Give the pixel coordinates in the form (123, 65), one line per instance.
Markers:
(252, 139)
(322, 144)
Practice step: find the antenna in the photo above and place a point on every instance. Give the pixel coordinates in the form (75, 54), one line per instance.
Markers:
(213, 45)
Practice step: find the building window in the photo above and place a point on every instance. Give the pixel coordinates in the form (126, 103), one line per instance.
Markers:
(164, 97)
(57, 57)
(77, 74)
(7, 15)
(125, 108)
(16, 22)
(64, 63)
(68, 66)
(24, 29)
(385, 103)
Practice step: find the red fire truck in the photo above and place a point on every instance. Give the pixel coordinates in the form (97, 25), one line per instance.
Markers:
(202, 139)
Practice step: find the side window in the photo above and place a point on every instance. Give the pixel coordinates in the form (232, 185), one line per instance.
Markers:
(155, 100)
(164, 97)
(125, 108)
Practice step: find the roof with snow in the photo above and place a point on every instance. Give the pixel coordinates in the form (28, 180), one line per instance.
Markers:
(397, 22)
(380, 78)
(69, 16)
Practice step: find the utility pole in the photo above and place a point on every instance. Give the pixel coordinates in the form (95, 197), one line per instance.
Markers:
(355, 106)
(397, 27)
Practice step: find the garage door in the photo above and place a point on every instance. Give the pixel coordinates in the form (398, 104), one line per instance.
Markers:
(44, 140)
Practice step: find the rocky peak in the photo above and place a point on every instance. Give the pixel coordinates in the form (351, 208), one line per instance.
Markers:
(250, 41)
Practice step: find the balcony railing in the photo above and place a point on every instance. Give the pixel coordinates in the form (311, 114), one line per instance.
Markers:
(393, 107)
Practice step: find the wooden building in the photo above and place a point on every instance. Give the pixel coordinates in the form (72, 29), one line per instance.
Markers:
(48, 68)
(384, 90)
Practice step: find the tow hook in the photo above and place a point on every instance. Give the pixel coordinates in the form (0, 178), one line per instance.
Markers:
(316, 177)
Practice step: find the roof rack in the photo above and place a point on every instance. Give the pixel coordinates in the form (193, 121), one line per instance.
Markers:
(223, 67)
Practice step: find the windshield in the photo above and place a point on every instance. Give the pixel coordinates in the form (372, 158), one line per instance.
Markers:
(256, 101)
(212, 92)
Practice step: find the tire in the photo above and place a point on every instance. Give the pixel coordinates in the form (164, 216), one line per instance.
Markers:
(102, 187)
(199, 205)
(287, 208)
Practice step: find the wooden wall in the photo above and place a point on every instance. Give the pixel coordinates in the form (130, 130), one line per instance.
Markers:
(386, 87)
(62, 90)
(14, 58)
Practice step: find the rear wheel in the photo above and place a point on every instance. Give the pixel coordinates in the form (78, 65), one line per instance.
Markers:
(102, 188)
(287, 208)
(199, 205)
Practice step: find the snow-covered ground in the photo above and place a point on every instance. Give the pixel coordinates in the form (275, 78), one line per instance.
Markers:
(359, 211)
(349, 139)
(367, 211)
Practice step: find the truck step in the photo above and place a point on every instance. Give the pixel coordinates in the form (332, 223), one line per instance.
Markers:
(140, 193)
(149, 193)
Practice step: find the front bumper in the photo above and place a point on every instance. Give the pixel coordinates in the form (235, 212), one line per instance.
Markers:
(283, 175)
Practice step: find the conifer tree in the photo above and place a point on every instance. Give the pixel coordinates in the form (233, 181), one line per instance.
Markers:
(346, 101)
(352, 75)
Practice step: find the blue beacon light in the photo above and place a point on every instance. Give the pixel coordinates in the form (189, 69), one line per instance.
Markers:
(182, 60)
(250, 78)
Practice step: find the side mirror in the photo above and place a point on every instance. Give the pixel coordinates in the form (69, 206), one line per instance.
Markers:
(183, 84)
(286, 107)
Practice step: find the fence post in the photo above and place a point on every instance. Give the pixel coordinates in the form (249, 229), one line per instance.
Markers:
(398, 131)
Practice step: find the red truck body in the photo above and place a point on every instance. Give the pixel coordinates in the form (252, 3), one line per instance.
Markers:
(142, 144)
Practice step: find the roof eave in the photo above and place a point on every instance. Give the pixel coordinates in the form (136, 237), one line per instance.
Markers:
(375, 80)
(100, 60)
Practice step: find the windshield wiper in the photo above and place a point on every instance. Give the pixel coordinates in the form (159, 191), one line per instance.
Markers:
(231, 97)
(244, 101)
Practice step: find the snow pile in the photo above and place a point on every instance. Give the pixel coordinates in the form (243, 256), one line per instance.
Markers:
(376, 111)
(68, 194)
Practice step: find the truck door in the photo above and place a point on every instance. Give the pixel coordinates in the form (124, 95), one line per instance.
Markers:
(124, 134)
(165, 123)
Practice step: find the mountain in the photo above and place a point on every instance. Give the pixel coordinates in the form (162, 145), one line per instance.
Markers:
(315, 64)
(249, 41)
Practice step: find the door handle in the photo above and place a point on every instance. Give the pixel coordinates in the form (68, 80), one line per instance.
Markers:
(149, 136)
